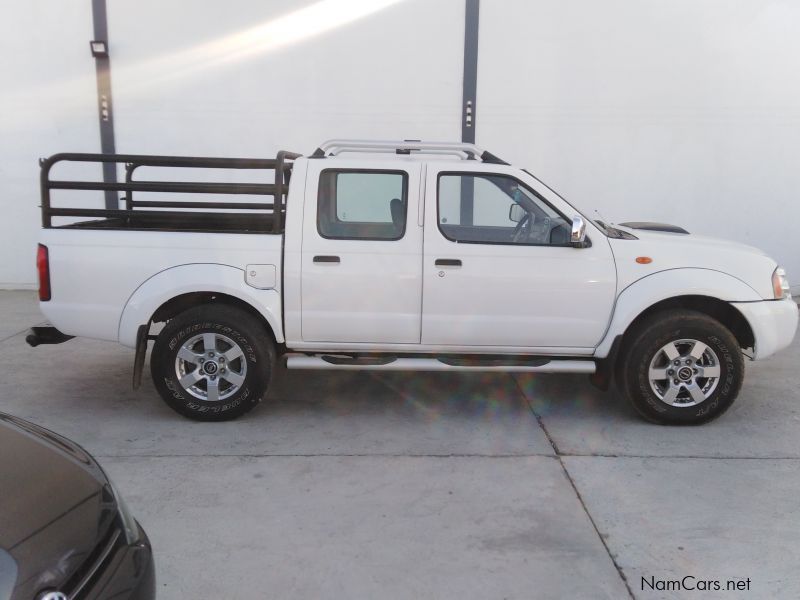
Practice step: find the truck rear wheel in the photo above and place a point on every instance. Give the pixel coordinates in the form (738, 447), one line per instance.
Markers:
(681, 367)
(212, 363)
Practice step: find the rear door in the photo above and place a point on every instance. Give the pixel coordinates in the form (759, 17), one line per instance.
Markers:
(361, 272)
(492, 278)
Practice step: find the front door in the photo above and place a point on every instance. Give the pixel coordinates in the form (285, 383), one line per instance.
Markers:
(361, 278)
(499, 270)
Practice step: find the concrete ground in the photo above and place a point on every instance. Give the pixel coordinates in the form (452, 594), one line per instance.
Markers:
(358, 485)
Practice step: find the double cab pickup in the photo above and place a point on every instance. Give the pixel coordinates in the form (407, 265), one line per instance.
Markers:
(393, 255)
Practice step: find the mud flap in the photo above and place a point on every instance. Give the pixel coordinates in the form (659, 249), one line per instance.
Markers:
(141, 352)
(604, 375)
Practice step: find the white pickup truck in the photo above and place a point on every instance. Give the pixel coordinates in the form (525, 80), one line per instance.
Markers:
(399, 255)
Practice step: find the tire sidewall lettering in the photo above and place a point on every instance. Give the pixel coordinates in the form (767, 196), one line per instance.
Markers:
(650, 340)
(251, 390)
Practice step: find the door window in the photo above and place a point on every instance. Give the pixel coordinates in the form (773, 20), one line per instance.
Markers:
(362, 205)
(497, 209)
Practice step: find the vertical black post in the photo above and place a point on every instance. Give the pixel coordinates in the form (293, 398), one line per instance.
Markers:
(472, 10)
(470, 71)
(104, 105)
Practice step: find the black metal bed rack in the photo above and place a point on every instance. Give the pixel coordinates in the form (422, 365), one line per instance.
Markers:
(139, 214)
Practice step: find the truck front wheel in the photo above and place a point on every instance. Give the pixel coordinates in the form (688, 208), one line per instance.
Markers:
(681, 367)
(212, 363)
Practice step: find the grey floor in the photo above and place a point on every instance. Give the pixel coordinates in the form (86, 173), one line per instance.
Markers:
(356, 485)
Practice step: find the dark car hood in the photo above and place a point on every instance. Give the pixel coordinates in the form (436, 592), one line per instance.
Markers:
(55, 504)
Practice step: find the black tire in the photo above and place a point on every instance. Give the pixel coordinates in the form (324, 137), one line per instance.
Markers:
(252, 368)
(645, 345)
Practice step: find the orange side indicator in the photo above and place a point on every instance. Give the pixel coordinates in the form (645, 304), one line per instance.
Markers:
(644, 260)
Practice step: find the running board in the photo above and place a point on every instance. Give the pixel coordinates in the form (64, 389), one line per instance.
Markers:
(442, 364)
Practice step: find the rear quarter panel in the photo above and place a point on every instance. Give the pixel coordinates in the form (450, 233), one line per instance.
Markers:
(95, 274)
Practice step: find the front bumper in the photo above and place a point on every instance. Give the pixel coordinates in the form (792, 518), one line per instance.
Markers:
(774, 323)
(130, 574)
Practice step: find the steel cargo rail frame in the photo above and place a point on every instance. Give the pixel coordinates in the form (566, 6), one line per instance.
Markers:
(277, 190)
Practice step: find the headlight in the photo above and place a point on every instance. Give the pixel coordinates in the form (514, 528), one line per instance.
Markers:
(130, 528)
(780, 285)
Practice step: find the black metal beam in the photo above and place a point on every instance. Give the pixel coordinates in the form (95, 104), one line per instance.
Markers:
(104, 103)
(148, 160)
(469, 96)
(470, 70)
(183, 187)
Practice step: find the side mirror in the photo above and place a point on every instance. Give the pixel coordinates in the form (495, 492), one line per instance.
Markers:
(515, 213)
(578, 235)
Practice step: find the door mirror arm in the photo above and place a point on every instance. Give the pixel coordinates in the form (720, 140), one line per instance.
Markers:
(577, 237)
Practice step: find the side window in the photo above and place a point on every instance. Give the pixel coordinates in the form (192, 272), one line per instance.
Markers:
(497, 209)
(362, 205)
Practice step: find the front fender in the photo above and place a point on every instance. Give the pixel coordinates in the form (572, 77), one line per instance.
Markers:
(186, 279)
(649, 290)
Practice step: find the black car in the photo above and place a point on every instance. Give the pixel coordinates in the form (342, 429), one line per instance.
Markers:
(65, 533)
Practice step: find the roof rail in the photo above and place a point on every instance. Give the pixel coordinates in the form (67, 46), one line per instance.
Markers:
(462, 150)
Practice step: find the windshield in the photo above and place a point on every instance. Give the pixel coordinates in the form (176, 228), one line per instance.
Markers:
(606, 228)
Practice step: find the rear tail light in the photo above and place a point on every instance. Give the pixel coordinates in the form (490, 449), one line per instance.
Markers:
(43, 267)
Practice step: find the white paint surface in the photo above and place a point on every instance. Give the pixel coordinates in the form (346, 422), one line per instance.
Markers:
(393, 72)
(47, 105)
(686, 112)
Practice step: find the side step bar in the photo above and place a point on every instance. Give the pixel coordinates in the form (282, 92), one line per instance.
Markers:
(442, 364)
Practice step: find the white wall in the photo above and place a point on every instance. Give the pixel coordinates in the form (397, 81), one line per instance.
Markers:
(287, 76)
(47, 104)
(685, 111)
(394, 71)
(681, 111)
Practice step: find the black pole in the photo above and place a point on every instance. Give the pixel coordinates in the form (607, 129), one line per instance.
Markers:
(104, 104)
(470, 70)
(472, 10)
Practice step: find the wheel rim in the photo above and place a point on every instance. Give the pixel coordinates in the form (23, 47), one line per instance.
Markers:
(210, 367)
(684, 373)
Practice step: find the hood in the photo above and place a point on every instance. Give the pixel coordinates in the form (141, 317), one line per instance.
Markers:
(679, 250)
(666, 237)
(55, 508)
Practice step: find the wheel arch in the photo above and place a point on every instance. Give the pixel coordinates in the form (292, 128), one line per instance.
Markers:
(173, 290)
(728, 315)
(704, 290)
(720, 310)
(179, 304)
